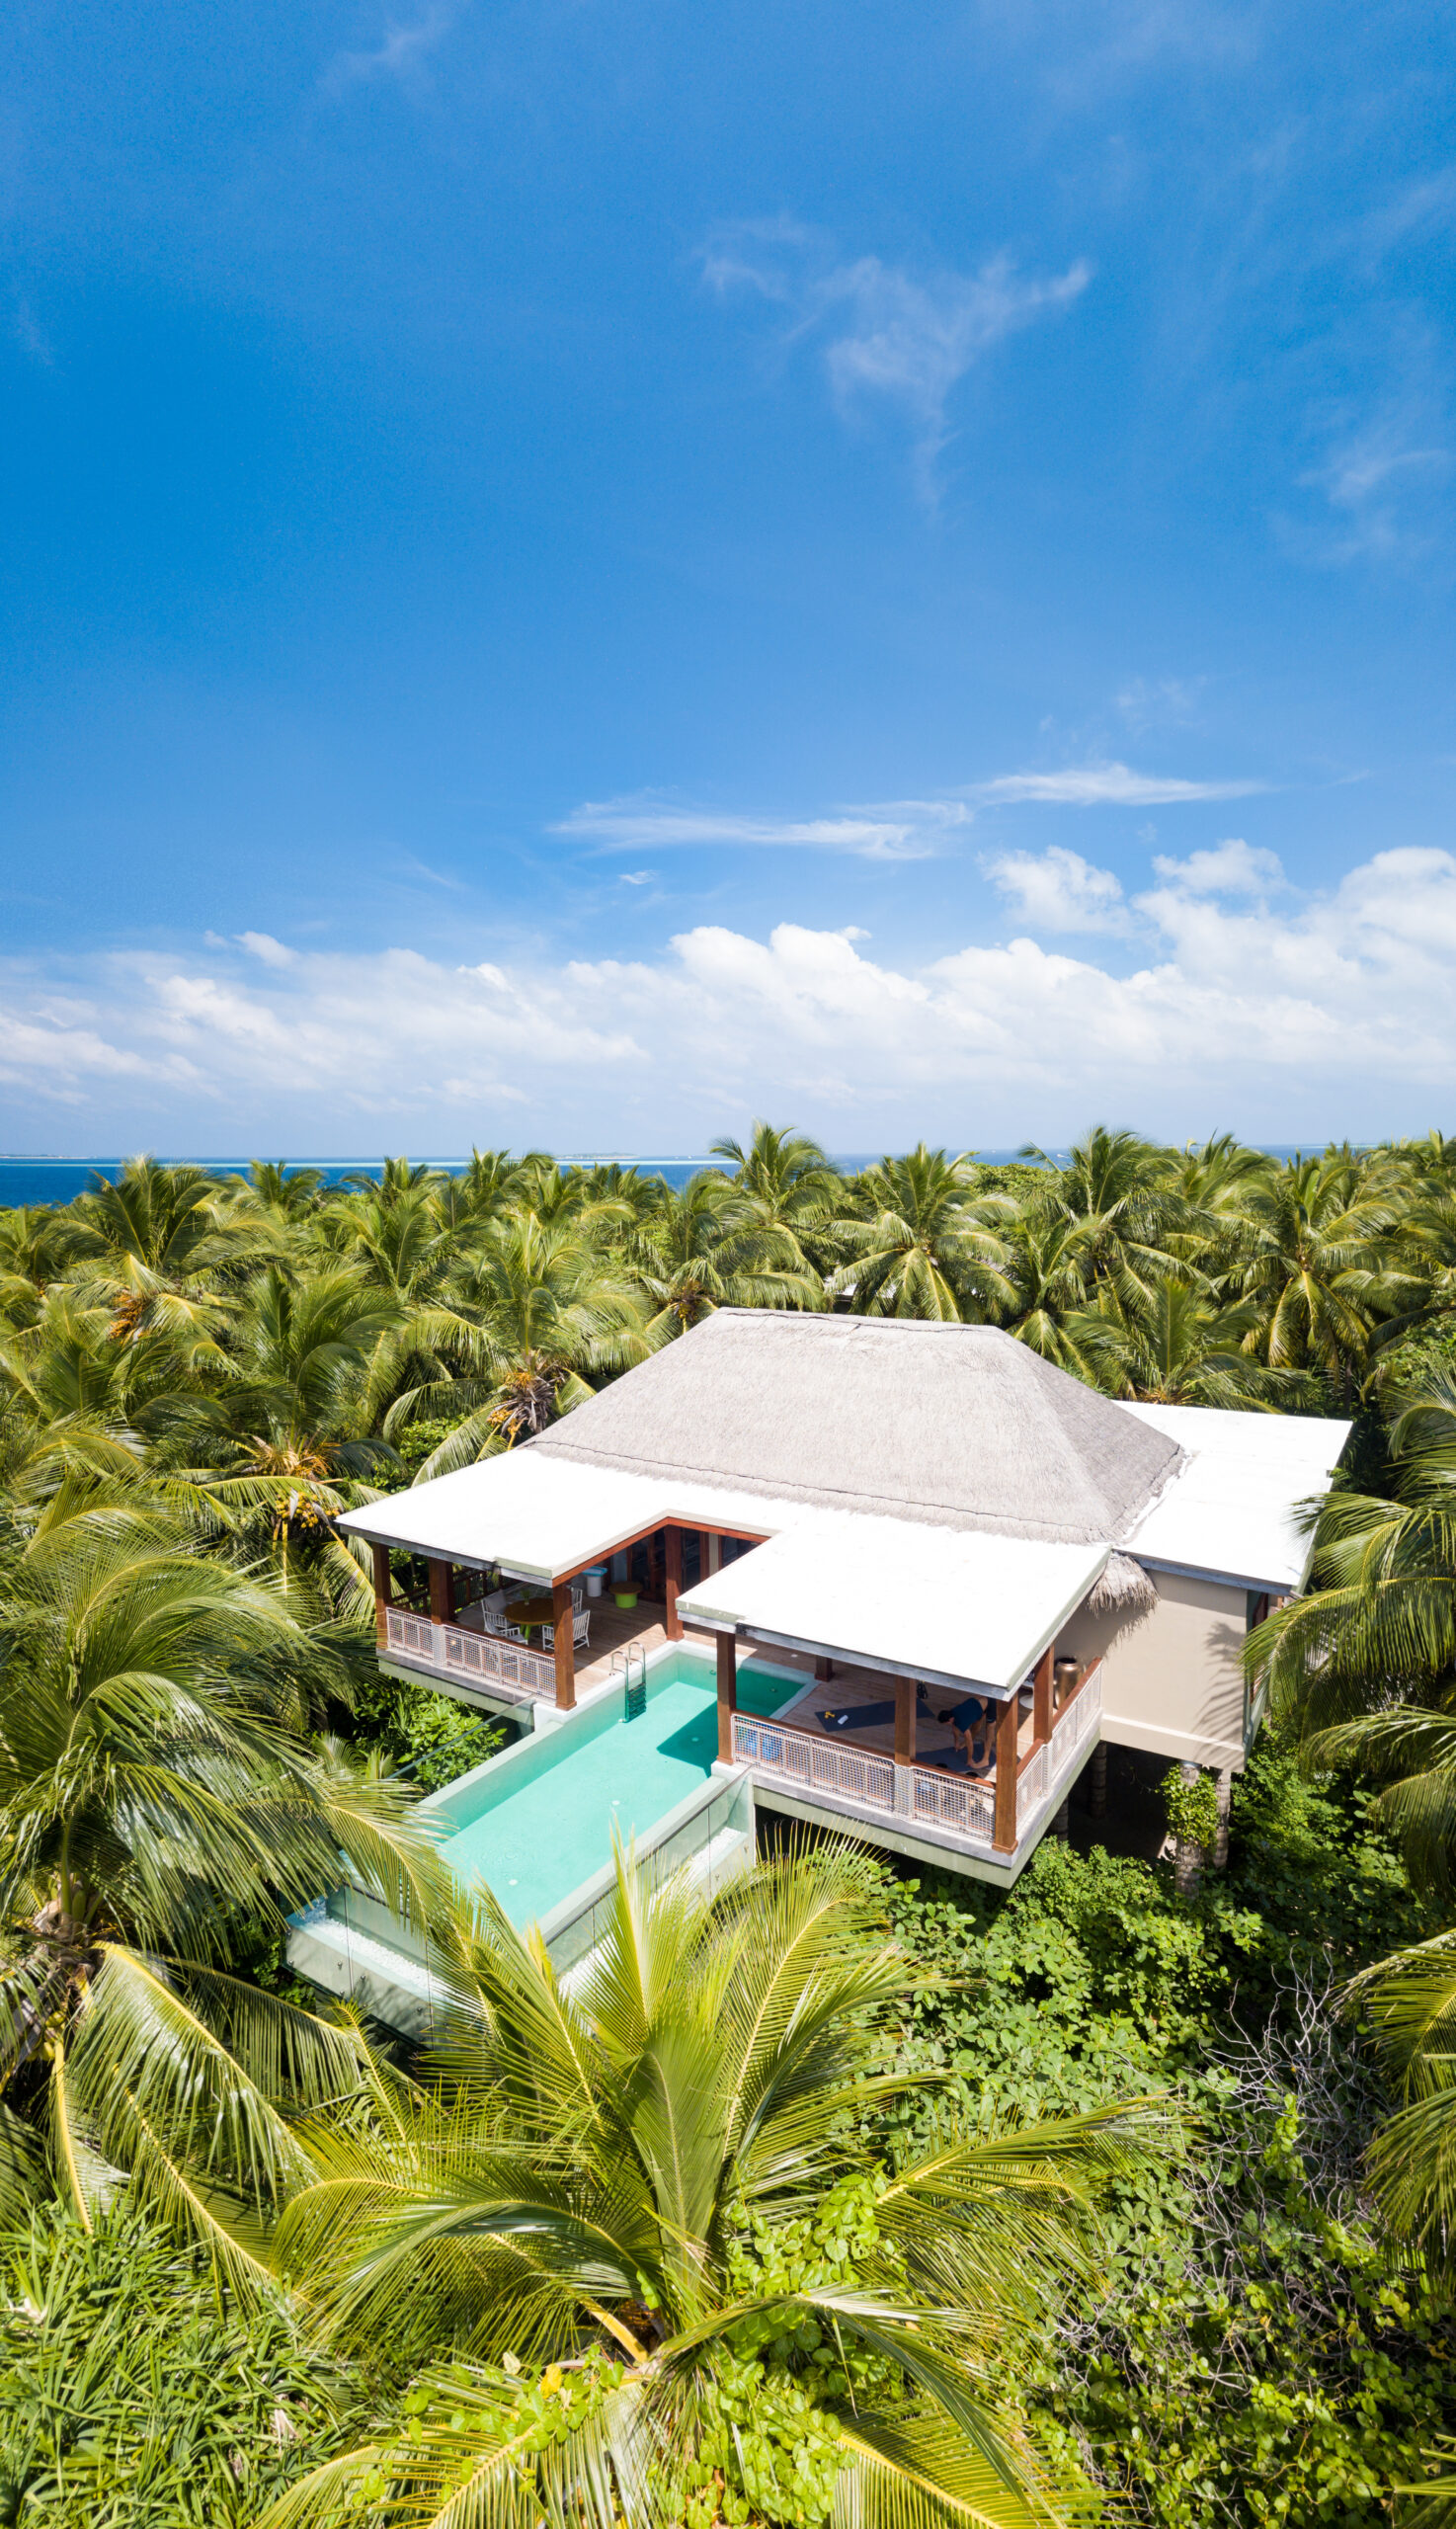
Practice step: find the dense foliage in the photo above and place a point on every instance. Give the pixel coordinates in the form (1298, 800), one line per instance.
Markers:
(136, 2394)
(1262, 2352)
(1240, 2315)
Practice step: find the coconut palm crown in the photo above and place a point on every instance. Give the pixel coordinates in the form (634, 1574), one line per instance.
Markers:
(643, 2237)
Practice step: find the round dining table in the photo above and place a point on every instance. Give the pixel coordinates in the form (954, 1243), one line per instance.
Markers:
(528, 1612)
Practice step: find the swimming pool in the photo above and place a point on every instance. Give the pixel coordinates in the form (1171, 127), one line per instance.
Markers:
(538, 1822)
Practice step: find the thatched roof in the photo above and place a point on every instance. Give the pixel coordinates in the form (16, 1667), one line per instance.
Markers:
(959, 1426)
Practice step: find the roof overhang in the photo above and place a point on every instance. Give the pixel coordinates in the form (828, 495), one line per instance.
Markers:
(547, 1516)
(922, 1601)
(1237, 1510)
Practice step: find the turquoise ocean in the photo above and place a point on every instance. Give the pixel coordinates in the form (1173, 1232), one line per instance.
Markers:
(57, 1181)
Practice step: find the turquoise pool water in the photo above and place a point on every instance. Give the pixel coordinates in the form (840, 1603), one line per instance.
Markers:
(539, 1819)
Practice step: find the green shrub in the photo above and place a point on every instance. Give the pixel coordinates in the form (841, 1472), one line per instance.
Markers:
(136, 2394)
(1260, 2358)
(1191, 1804)
(431, 1737)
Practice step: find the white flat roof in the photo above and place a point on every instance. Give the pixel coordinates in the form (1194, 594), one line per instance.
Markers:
(544, 1515)
(946, 1603)
(1233, 1510)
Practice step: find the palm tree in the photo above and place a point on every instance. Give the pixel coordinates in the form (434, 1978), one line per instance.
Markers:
(688, 1264)
(397, 1176)
(160, 1245)
(37, 1242)
(79, 1412)
(292, 1193)
(156, 1782)
(1115, 1188)
(1170, 1343)
(662, 2187)
(1410, 2001)
(1363, 1668)
(280, 1436)
(910, 1258)
(490, 1180)
(784, 1186)
(1319, 1267)
(1033, 1278)
(1363, 1665)
(549, 1310)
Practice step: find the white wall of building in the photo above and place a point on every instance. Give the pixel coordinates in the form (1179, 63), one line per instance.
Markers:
(1173, 1679)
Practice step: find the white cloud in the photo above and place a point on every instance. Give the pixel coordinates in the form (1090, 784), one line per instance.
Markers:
(1057, 890)
(894, 830)
(260, 943)
(1336, 1014)
(1103, 786)
(1232, 869)
(886, 335)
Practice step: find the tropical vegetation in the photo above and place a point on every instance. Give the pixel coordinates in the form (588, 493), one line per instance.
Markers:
(834, 2198)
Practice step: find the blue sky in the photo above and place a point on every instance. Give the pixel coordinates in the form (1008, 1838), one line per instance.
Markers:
(578, 573)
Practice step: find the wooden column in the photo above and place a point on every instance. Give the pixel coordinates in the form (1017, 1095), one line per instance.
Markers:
(562, 1618)
(672, 1581)
(824, 1671)
(1041, 1697)
(383, 1595)
(904, 1701)
(442, 1591)
(1004, 1837)
(727, 1695)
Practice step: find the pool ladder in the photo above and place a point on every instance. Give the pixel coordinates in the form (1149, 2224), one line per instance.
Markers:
(632, 1663)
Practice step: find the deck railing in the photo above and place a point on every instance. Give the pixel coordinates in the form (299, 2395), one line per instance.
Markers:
(505, 1667)
(954, 1803)
(818, 1764)
(862, 1776)
(1071, 1730)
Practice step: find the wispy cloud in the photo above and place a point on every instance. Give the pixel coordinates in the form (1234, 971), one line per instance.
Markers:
(1419, 208)
(895, 830)
(1380, 454)
(412, 869)
(1160, 702)
(1087, 55)
(399, 53)
(886, 335)
(1377, 479)
(30, 337)
(1103, 786)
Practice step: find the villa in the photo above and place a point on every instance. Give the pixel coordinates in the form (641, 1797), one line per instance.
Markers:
(895, 1579)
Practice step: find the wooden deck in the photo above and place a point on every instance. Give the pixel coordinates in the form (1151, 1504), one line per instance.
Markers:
(613, 1628)
(643, 1628)
(849, 1689)
(852, 1690)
